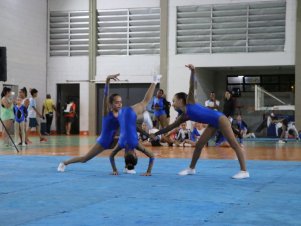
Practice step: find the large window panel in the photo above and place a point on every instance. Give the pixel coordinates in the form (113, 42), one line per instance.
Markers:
(68, 33)
(79, 33)
(59, 34)
(272, 83)
(129, 31)
(112, 32)
(193, 29)
(235, 27)
(119, 32)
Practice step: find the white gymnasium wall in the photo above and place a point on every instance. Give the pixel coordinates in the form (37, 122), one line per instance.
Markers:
(61, 69)
(23, 27)
(135, 68)
(177, 73)
(132, 68)
(140, 68)
(205, 84)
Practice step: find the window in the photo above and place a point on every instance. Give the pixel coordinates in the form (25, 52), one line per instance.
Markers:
(69, 33)
(129, 31)
(271, 83)
(230, 28)
(120, 32)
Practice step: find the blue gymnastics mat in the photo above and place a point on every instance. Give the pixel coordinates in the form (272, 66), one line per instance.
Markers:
(32, 193)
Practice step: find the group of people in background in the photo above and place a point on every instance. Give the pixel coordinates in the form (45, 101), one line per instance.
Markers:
(20, 114)
(159, 109)
(283, 127)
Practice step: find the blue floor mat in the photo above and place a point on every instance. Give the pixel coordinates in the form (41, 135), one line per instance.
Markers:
(32, 193)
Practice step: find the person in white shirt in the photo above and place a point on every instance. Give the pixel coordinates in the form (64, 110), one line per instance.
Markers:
(212, 103)
(198, 130)
(33, 113)
(183, 134)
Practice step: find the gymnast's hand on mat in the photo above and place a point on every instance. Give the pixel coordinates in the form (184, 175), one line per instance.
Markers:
(190, 66)
(147, 174)
(114, 77)
(115, 173)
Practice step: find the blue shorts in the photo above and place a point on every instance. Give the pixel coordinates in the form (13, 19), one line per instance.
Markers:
(158, 113)
(33, 122)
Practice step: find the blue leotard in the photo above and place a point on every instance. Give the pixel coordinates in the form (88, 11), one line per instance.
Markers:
(199, 113)
(20, 113)
(158, 103)
(194, 134)
(110, 126)
(128, 137)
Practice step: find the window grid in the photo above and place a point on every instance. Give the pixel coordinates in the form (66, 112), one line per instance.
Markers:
(68, 33)
(129, 31)
(271, 83)
(248, 27)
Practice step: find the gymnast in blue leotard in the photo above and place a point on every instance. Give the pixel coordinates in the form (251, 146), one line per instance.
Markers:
(110, 124)
(128, 138)
(195, 112)
(159, 105)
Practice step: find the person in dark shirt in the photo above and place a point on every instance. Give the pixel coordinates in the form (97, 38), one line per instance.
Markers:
(167, 106)
(229, 106)
(229, 110)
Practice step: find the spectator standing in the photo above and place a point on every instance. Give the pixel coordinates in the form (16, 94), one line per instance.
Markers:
(20, 112)
(159, 105)
(7, 113)
(48, 109)
(69, 114)
(212, 103)
(25, 103)
(33, 113)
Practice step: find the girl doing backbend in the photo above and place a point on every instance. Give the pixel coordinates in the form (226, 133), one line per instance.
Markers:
(128, 138)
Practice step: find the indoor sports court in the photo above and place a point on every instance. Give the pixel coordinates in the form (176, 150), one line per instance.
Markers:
(153, 112)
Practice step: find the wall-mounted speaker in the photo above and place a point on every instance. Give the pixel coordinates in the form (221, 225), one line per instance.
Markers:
(3, 70)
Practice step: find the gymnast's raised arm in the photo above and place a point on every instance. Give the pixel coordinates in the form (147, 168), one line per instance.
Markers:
(106, 105)
(190, 98)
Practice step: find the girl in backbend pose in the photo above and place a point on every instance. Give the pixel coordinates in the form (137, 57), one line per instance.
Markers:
(128, 138)
(189, 110)
(111, 105)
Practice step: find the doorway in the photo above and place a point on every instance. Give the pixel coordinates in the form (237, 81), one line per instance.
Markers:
(65, 93)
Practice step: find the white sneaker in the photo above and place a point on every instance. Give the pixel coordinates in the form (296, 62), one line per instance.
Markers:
(241, 175)
(61, 167)
(24, 145)
(187, 171)
(125, 170)
(281, 142)
(157, 78)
